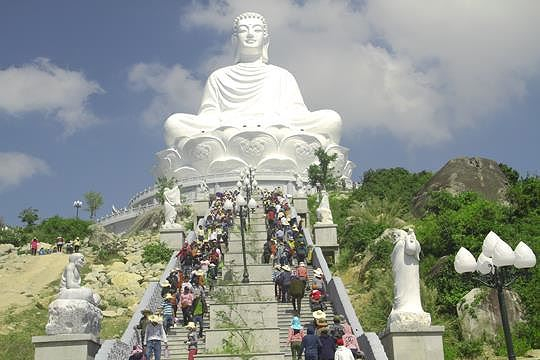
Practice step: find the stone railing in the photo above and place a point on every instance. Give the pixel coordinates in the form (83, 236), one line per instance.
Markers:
(121, 349)
(369, 342)
(124, 214)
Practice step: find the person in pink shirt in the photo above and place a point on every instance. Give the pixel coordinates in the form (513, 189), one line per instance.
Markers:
(186, 300)
(296, 334)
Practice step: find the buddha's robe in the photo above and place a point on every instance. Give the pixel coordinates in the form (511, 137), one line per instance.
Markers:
(251, 94)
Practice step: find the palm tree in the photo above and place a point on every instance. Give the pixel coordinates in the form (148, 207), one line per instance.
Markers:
(94, 200)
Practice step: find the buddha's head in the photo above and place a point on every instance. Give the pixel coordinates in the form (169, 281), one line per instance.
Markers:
(250, 37)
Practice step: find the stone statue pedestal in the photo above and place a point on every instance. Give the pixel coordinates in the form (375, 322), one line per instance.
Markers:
(325, 237)
(72, 316)
(200, 209)
(301, 206)
(66, 347)
(173, 238)
(423, 343)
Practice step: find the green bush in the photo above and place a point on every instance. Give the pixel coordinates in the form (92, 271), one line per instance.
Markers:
(156, 253)
(68, 228)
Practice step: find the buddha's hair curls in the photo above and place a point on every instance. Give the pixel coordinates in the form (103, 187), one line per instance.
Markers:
(250, 15)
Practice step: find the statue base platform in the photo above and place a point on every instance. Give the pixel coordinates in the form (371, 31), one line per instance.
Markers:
(172, 238)
(424, 343)
(72, 316)
(301, 206)
(200, 208)
(66, 347)
(325, 237)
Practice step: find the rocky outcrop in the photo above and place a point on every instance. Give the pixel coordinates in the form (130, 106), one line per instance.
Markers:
(479, 312)
(476, 174)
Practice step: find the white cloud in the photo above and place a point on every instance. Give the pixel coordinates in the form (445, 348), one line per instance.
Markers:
(44, 87)
(16, 167)
(176, 90)
(418, 69)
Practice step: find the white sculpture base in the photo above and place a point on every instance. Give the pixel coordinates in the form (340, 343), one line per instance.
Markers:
(66, 347)
(172, 238)
(301, 206)
(424, 343)
(69, 316)
(200, 209)
(325, 235)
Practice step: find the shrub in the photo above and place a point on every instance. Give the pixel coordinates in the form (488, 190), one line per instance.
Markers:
(156, 253)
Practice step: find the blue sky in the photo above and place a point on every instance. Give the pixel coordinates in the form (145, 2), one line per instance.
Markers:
(85, 86)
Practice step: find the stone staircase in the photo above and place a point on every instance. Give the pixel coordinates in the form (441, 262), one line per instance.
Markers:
(244, 312)
(285, 315)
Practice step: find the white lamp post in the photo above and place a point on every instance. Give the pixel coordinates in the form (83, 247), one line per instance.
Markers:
(77, 205)
(493, 265)
(242, 206)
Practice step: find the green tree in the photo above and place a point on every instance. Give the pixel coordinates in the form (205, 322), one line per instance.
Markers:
(94, 200)
(29, 216)
(322, 173)
(511, 174)
(163, 182)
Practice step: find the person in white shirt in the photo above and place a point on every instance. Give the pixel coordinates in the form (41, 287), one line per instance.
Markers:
(154, 335)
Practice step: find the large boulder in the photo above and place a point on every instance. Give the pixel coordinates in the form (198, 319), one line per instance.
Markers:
(476, 174)
(479, 312)
(125, 280)
(7, 248)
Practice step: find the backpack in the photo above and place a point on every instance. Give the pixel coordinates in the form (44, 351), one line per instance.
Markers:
(336, 331)
(296, 288)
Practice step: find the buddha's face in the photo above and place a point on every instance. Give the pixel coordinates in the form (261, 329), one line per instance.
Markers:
(250, 34)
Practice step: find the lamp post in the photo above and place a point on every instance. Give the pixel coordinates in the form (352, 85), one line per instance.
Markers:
(247, 179)
(77, 205)
(493, 265)
(242, 207)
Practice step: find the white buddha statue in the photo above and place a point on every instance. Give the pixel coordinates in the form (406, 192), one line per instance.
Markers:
(252, 94)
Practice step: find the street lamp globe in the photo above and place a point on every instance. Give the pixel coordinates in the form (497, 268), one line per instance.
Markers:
(252, 204)
(240, 201)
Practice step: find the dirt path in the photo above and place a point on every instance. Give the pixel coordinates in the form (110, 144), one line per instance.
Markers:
(23, 276)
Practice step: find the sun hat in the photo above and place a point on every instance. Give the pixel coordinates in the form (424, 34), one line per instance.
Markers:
(277, 267)
(190, 325)
(168, 296)
(165, 284)
(302, 263)
(319, 315)
(286, 268)
(146, 311)
(155, 318)
(337, 318)
(199, 273)
(295, 323)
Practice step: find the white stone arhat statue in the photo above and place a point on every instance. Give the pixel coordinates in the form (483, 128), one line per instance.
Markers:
(172, 199)
(251, 114)
(407, 312)
(324, 213)
(75, 310)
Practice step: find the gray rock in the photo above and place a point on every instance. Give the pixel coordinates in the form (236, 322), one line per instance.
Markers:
(479, 312)
(476, 174)
(6, 249)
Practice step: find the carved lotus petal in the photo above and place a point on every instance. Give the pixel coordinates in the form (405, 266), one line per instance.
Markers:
(301, 148)
(464, 261)
(252, 146)
(186, 172)
(525, 257)
(503, 255)
(276, 162)
(484, 265)
(226, 165)
(489, 244)
(200, 151)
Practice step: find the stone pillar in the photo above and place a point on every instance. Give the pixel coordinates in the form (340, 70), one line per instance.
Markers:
(325, 237)
(200, 209)
(423, 343)
(301, 206)
(173, 238)
(66, 347)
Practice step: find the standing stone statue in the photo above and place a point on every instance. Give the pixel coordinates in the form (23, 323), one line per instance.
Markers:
(172, 200)
(324, 213)
(75, 309)
(407, 312)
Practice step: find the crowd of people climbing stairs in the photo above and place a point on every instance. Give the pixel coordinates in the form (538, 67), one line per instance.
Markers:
(187, 288)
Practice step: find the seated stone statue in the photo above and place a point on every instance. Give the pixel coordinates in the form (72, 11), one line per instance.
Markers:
(75, 309)
(70, 284)
(252, 94)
